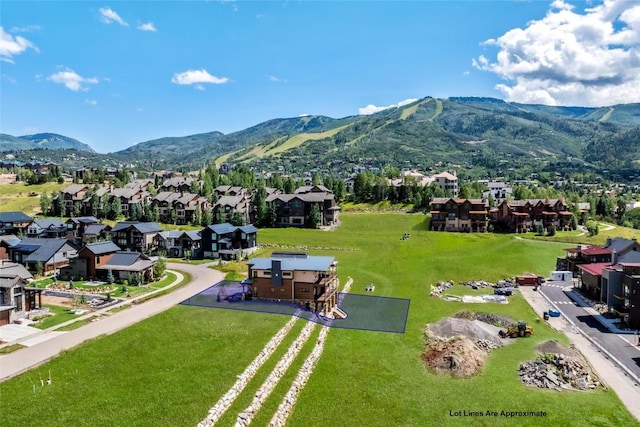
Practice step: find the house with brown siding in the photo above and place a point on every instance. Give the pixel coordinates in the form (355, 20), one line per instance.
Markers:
(306, 280)
(463, 215)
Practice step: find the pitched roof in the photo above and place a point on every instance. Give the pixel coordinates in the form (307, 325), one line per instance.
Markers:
(83, 220)
(47, 223)
(94, 229)
(39, 250)
(293, 262)
(621, 245)
(193, 235)
(14, 216)
(170, 234)
(100, 248)
(12, 269)
(142, 227)
(594, 269)
(223, 228)
(127, 261)
(74, 188)
(248, 228)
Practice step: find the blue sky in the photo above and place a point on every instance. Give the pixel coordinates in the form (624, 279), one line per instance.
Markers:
(112, 74)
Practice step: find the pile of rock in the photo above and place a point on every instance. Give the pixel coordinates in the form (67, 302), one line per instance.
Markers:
(245, 417)
(439, 288)
(490, 318)
(243, 379)
(558, 372)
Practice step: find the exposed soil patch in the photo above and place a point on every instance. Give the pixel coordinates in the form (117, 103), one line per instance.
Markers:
(459, 347)
(556, 347)
(51, 300)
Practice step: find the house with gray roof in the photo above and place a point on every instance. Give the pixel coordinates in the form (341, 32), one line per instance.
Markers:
(16, 297)
(135, 236)
(227, 241)
(125, 264)
(49, 254)
(306, 280)
(178, 244)
(47, 227)
(294, 210)
(96, 232)
(88, 259)
(14, 222)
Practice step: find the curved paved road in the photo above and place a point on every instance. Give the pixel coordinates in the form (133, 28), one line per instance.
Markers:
(27, 358)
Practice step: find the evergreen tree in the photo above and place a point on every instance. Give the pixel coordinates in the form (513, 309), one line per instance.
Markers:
(314, 217)
(207, 218)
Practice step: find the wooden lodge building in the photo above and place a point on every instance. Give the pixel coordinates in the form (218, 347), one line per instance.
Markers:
(306, 280)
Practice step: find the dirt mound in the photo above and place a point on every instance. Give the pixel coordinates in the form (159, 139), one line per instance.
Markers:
(459, 357)
(459, 347)
(556, 347)
(490, 318)
(475, 330)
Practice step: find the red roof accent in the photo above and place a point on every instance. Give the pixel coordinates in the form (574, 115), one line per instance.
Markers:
(596, 250)
(594, 269)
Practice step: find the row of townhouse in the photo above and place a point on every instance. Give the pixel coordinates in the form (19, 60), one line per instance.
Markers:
(609, 274)
(519, 216)
(231, 202)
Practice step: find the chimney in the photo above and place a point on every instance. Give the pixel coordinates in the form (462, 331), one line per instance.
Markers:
(608, 242)
(614, 257)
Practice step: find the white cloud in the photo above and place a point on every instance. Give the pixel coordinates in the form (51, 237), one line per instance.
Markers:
(72, 80)
(8, 78)
(276, 79)
(304, 115)
(371, 109)
(147, 26)
(569, 57)
(109, 16)
(25, 29)
(11, 46)
(197, 77)
(91, 102)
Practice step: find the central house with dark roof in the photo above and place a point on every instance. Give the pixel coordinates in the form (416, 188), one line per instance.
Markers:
(134, 235)
(306, 280)
(227, 242)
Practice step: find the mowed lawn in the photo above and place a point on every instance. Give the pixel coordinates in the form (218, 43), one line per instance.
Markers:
(169, 369)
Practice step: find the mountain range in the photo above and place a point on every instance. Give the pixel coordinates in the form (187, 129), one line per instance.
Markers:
(47, 141)
(469, 131)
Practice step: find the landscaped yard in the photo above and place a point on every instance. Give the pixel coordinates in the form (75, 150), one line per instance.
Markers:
(59, 315)
(190, 356)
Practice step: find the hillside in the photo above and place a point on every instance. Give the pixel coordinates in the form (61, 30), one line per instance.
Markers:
(475, 133)
(49, 141)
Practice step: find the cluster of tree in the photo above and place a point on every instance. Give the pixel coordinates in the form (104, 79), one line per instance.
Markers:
(54, 174)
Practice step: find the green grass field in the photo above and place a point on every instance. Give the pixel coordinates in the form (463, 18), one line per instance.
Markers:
(171, 368)
(15, 197)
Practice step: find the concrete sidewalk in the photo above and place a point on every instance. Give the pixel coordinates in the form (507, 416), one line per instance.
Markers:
(612, 376)
(24, 359)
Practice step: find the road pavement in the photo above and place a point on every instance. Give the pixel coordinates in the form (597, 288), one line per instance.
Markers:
(625, 387)
(618, 345)
(20, 361)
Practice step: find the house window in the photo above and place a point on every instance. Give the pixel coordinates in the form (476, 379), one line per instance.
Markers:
(287, 274)
(266, 273)
(98, 260)
(214, 247)
(254, 273)
(281, 289)
(272, 290)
